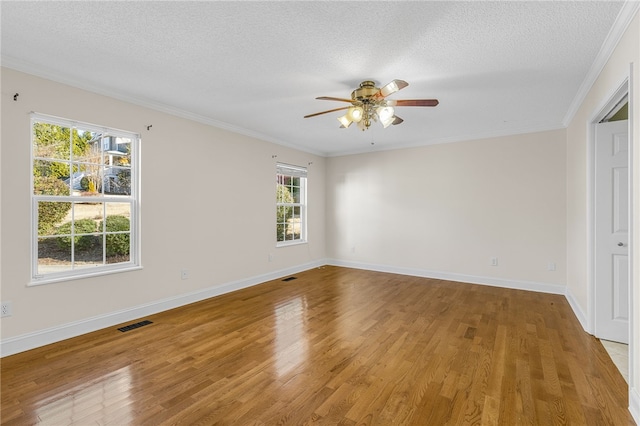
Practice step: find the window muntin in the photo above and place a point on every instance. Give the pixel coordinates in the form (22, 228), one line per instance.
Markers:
(84, 199)
(291, 200)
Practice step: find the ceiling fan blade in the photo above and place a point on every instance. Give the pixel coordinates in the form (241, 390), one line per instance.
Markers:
(331, 98)
(413, 102)
(390, 88)
(325, 112)
(397, 120)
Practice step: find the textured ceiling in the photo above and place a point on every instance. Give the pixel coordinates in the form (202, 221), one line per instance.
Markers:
(256, 67)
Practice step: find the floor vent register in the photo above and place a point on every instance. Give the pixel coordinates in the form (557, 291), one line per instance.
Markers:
(134, 326)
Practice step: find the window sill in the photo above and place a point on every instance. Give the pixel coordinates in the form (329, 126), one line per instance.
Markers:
(291, 243)
(52, 280)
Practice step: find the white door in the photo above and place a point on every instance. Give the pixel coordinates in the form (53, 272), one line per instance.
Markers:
(612, 231)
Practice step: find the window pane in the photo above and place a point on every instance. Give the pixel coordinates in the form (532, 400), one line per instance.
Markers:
(281, 212)
(118, 151)
(89, 210)
(118, 247)
(85, 181)
(87, 155)
(78, 182)
(295, 193)
(117, 180)
(53, 256)
(86, 145)
(88, 251)
(46, 173)
(294, 223)
(118, 238)
(51, 215)
(282, 194)
(51, 141)
(119, 209)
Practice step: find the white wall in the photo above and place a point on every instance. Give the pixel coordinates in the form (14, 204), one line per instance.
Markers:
(446, 210)
(578, 245)
(208, 205)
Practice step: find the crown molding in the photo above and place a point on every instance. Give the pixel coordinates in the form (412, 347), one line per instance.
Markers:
(48, 74)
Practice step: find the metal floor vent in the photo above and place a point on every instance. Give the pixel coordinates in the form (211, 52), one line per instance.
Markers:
(136, 325)
(290, 279)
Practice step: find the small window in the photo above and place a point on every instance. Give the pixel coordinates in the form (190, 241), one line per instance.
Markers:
(84, 199)
(291, 203)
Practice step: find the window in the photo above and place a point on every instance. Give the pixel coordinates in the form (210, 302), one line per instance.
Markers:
(84, 199)
(291, 200)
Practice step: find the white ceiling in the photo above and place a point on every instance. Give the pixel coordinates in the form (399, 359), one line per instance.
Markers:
(256, 68)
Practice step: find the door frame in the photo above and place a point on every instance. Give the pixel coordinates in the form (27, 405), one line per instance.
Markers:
(624, 88)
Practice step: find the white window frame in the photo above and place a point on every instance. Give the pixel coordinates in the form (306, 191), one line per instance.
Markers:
(299, 172)
(133, 199)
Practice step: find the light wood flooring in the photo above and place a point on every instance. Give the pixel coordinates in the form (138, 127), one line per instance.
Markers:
(335, 346)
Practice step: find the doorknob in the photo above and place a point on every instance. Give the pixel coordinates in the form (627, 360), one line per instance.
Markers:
(620, 244)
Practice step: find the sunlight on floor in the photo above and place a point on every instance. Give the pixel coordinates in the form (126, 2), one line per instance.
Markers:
(291, 342)
(105, 398)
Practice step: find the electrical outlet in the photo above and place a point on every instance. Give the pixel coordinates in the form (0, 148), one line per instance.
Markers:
(5, 309)
(551, 266)
(184, 274)
(494, 261)
(270, 257)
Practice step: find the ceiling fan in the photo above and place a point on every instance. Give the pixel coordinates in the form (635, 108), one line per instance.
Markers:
(369, 103)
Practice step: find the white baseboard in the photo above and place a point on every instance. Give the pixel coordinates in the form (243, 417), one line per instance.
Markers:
(25, 342)
(577, 310)
(634, 404)
(449, 276)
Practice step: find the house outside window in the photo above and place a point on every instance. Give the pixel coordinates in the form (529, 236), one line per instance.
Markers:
(291, 205)
(84, 194)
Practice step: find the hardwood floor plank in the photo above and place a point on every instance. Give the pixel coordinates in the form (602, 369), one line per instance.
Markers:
(335, 346)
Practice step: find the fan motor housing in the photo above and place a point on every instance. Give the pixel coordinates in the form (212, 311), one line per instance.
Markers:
(366, 90)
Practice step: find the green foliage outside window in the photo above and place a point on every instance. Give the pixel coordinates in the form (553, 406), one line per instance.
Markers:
(283, 195)
(50, 213)
(52, 141)
(80, 242)
(117, 244)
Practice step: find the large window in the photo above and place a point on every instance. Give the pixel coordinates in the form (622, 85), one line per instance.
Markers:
(84, 199)
(291, 200)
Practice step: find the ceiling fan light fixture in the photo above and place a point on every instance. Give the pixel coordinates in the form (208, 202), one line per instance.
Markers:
(387, 122)
(355, 113)
(385, 113)
(369, 104)
(345, 120)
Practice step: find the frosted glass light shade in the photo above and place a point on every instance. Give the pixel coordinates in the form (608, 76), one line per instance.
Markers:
(345, 120)
(355, 113)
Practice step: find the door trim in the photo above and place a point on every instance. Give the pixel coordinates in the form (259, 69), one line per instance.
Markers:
(626, 86)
